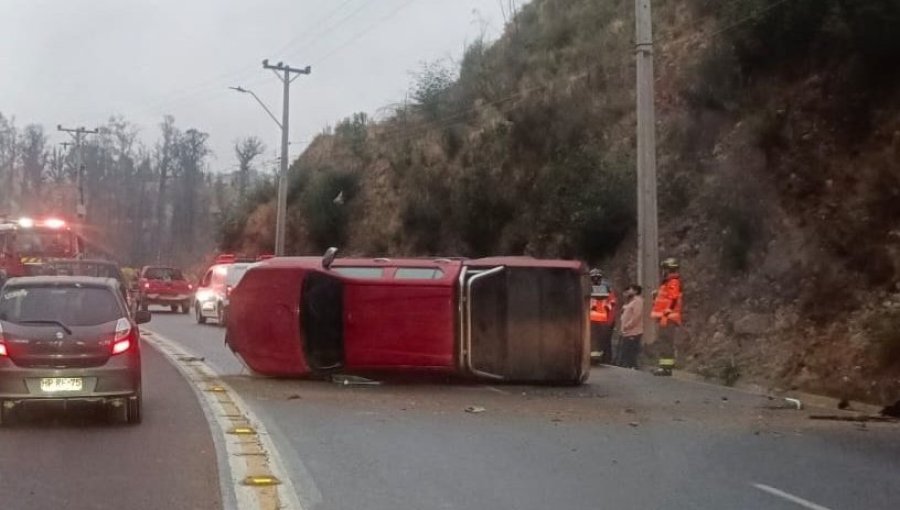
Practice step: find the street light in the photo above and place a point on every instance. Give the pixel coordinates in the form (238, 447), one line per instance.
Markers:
(282, 177)
(258, 100)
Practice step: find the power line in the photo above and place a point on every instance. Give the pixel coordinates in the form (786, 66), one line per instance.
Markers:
(304, 36)
(365, 31)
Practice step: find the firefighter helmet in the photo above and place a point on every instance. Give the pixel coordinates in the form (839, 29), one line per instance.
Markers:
(596, 273)
(669, 263)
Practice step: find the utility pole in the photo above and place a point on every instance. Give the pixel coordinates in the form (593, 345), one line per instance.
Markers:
(79, 133)
(289, 74)
(648, 230)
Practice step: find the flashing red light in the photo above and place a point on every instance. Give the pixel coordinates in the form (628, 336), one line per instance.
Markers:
(3, 351)
(54, 223)
(265, 257)
(225, 258)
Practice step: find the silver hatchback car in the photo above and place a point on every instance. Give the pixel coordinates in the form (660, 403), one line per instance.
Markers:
(69, 340)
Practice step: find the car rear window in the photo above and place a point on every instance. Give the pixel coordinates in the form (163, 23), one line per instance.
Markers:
(360, 272)
(418, 273)
(72, 305)
(163, 273)
(235, 273)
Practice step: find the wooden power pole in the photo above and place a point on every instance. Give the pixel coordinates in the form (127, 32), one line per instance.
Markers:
(648, 230)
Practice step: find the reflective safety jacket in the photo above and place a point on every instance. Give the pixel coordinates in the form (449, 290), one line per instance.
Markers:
(667, 305)
(603, 309)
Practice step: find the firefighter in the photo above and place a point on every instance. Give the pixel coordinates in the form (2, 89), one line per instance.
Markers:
(603, 303)
(667, 312)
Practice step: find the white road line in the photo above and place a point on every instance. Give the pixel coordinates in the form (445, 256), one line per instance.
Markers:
(221, 415)
(497, 390)
(789, 497)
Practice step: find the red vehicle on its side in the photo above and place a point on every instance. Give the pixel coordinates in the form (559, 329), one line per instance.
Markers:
(26, 244)
(503, 319)
(165, 286)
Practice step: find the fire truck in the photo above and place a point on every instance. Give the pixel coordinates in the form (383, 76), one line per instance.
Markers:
(27, 243)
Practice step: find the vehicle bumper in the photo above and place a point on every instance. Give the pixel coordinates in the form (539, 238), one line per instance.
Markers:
(209, 307)
(166, 299)
(120, 377)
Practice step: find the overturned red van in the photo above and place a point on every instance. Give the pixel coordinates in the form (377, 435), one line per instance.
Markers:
(514, 319)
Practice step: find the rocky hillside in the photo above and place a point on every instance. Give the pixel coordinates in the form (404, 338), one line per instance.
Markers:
(779, 154)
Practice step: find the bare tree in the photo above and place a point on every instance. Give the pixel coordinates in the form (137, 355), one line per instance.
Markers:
(165, 156)
(33, 143)
(246, 150)
(8, 157)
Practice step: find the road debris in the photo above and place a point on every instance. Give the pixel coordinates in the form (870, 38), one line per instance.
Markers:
(475, 409)
(795, 402)
(294, 397)
(633, 423)
(353, 380)
(629, 410)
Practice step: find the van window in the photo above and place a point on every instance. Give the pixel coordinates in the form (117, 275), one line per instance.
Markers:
(360, 272)
(418, 273)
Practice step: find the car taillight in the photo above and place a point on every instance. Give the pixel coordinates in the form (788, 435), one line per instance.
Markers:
(146, 285)
(228, 291)
(3, 351)
(123, 338)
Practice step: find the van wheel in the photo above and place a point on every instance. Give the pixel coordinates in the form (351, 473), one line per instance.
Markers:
(199, 314)
(220, 316)
(133, 409)
(185, 307)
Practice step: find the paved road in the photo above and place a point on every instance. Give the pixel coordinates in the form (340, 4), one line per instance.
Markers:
(626, 440)
(78, 460)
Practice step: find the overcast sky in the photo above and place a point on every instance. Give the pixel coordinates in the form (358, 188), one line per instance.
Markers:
(78, 62)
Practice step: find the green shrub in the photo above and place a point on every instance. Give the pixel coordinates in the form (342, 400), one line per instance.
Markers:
(715, 81)
(353, 131)
(326, 217)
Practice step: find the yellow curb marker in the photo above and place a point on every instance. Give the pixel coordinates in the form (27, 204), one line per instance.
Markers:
(261, 481)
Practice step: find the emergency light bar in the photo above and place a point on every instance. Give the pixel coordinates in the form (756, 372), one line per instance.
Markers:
(54, 223)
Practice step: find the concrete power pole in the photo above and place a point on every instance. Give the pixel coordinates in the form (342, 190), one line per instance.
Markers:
(648, 230)
(281, 211)
(78, 134)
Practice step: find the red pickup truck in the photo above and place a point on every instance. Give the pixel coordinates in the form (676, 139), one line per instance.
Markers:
(165, 286)
(513, 319)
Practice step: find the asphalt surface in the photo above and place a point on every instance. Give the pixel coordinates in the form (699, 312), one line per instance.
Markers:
(625, 440)
(80, 460)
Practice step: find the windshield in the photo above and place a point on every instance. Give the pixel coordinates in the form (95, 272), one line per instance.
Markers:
(72, 305)
(87, 269)
(235, 273)
(163, 273)
(38, 242)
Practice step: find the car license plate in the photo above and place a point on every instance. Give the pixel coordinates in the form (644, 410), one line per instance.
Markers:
(58, 384)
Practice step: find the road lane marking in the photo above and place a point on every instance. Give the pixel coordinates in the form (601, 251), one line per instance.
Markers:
(247, 456)
(789, 497)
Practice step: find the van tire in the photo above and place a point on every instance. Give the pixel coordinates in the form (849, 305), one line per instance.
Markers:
(199, 314)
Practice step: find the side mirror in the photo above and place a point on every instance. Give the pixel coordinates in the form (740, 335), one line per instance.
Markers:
(329, 256)
(142, 316)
